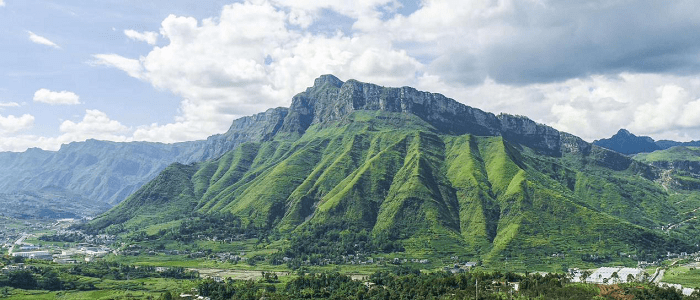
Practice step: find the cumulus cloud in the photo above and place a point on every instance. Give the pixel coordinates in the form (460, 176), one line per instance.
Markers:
(37, 39)
(149, 37)
(2, 3)
(12, 124)
(56, 98)
(94, 125)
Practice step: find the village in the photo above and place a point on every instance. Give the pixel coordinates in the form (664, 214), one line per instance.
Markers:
(90, 248)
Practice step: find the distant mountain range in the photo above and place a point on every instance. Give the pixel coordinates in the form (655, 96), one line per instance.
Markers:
(418, 169)
(105, 173)
(627, 143)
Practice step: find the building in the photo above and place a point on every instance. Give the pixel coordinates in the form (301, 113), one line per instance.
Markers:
(606, 275)
(34, 255)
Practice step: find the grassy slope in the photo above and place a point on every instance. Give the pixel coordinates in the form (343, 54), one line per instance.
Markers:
(394, 176)
(679, 153)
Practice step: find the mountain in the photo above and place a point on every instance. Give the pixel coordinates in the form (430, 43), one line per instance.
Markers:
(415, 168)
(108, 172)
(48, 203)
(627, 143)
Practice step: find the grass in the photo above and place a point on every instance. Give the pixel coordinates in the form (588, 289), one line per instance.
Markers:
(685, 276)
(678, 153)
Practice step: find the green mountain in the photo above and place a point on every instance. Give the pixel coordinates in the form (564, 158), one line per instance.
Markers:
(421, 170)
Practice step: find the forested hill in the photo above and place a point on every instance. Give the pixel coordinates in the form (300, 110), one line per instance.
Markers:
(419, 172)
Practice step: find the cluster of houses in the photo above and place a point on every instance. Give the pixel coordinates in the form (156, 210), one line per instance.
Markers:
(461, 267)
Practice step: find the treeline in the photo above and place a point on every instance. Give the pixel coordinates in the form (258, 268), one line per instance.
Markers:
(330, 242)
(72, 237)
(412, 284)
(215, 226)
(117, 271)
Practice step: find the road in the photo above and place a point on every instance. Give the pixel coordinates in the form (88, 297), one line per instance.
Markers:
(658, 275)
(18, 242)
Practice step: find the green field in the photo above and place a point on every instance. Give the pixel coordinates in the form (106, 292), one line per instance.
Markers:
(685, 276)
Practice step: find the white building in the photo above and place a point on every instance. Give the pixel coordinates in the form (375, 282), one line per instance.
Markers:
(605, 275)
(34, 255)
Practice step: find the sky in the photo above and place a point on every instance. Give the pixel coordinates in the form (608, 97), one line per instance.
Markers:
(171, 71)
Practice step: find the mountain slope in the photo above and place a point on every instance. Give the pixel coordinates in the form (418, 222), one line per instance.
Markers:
(423, 170)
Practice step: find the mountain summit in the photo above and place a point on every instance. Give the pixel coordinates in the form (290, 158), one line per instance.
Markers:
(627, 143)
(381, 167)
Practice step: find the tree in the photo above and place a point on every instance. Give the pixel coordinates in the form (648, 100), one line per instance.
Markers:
(22, 280)
(615, 277)
(585, 275)
(166, 296)
(51, 282)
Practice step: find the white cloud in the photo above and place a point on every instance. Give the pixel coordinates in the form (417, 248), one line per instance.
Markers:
(149, 37)
(56, 98)
(12, 124)
(9, 104)
(94, 125)
(130, 66)
(662, 106)
(42, 40)
(2, 3)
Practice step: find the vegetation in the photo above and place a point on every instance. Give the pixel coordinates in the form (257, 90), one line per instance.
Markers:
(412, 284)
(678, 153)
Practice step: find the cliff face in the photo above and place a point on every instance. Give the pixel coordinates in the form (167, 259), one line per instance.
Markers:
(331, 99)
(255, 128)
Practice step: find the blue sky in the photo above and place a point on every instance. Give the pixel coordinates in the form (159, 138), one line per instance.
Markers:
(172, 71)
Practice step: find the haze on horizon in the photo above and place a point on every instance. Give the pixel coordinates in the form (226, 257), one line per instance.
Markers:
(170, 71)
